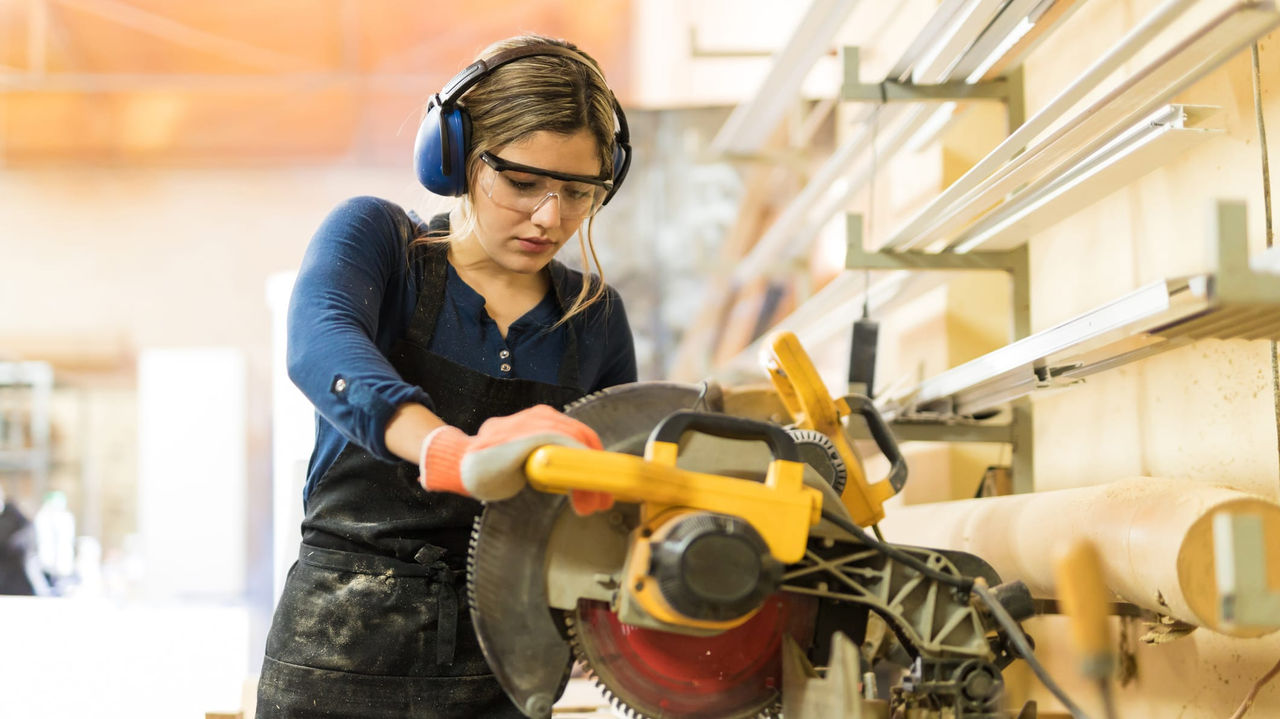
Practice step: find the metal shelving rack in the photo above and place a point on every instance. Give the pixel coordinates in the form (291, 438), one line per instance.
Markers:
(1030, 181)
(27, 389)
(1110, 143)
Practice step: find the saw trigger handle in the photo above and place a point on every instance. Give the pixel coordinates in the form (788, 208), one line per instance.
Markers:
(883, 437)
(673, 427)
(807, 400)
(785, 471)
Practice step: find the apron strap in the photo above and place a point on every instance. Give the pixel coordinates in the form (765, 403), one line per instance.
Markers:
(435, 259)
(431, 558)
(569, 360)
(435, 266)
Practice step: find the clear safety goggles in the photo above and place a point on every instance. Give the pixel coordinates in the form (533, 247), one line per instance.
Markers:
(525, 189)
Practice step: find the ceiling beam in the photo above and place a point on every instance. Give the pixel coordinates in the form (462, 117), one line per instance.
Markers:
(21, 81)
(185, 35)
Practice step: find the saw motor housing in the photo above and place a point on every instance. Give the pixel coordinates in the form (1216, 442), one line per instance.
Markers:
(696, 572)
(703, 559)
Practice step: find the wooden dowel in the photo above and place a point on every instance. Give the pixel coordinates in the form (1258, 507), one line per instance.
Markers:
(1154, 537)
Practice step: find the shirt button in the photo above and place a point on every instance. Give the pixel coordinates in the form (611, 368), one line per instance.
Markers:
(505, 367)
(504, 354)
(339, 385)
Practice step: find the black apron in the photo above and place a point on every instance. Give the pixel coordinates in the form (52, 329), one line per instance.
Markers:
(370, 624)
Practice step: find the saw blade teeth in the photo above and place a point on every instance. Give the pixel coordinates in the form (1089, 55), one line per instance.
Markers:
(619, 706)
(585, 399)
(823, 442)
(471, 561)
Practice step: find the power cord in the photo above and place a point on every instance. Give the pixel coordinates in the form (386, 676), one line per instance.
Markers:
(1253, 692)
(964, 584)
(866, 331)
(1266, 208)
(977, 586)
(1262, 141)
(1275, 371)
(871, 211)
(1020, 643)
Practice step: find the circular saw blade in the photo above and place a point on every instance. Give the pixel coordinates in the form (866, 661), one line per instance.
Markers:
(736, 674)
(623, 416)
(508, 596)
(518, 632)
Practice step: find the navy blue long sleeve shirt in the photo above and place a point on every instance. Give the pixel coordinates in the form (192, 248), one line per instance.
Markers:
(354, 297)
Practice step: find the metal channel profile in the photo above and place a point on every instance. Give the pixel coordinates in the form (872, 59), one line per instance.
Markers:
(946, 41)
(749, 125)
(1120, 160)
(1051, 357)
(1015, 161)
(1236, 302)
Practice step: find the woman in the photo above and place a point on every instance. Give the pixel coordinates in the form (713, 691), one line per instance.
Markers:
(435, 355)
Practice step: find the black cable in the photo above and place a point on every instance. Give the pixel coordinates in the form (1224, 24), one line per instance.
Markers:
(701, 402)
(879, 535)
(965, 584)
(1262, 143)
(1266, 208)
(1108, 698)
(1014, 632)
(962, 583)
(871, 209)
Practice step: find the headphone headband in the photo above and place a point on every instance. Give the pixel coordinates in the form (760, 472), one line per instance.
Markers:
(476, 71)
(438, 149)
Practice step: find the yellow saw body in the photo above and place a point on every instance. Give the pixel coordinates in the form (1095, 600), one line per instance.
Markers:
(716, 557)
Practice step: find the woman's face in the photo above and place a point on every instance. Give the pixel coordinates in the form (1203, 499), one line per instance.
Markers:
(525, 241)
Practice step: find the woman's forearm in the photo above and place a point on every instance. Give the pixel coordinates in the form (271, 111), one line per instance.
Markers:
(410, 424)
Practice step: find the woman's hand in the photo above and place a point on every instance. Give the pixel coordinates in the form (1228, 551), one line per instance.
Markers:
(490, 465)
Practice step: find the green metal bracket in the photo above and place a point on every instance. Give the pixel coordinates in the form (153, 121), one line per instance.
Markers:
(1020, 430)
(926, 431)
(1236, 281)
(1008, 88)
(893, 91)
(1013, 261)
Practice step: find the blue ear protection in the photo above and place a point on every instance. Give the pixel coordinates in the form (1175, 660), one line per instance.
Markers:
(440, 149)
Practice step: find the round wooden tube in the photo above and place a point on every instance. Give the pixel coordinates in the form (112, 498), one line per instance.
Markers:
(1154, 537)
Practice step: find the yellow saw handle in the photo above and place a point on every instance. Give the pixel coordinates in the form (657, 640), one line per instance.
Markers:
(781, 509)
(811, 407)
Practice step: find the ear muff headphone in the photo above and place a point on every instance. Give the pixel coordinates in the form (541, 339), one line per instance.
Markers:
(444, 137)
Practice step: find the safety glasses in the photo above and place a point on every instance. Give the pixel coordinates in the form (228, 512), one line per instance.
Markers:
(525, 189)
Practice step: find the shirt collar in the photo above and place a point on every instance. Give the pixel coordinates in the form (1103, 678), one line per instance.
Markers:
(563, 285)
(464, 295)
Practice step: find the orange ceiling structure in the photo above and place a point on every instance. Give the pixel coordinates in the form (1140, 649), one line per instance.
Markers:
(241, 82)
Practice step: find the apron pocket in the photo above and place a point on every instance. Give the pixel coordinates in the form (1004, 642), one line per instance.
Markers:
(371, 624)
(289, 691)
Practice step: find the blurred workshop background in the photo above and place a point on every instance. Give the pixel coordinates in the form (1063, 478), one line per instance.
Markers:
(163, 163)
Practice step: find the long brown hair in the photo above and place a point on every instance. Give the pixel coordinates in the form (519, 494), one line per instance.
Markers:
(550, 93)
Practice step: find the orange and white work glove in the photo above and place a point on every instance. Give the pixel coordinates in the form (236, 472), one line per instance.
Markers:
(490, 465)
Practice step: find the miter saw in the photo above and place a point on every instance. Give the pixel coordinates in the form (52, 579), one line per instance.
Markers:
(732, 577)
